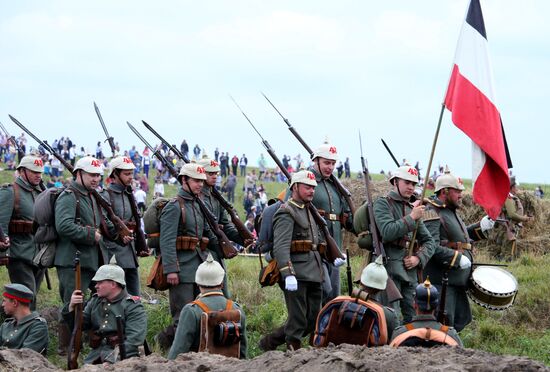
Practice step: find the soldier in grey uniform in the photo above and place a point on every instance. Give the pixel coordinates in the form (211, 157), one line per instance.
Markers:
(396, 219)
(453, 251)
(297, 241)
(16, 220)
(209, 277)
(424, 327)
(24, 328)
(334, 208)
(78, 220)
(99, 316)
(212, 169)
(184, 240)
(118, 194)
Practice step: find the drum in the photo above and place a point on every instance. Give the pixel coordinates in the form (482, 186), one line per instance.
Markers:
(493, 288)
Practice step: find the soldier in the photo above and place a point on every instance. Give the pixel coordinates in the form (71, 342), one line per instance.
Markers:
(16, 219)
(99, 316)
(334, 208)
(212, 170)
(119, 195)
(425, 330)
(209, 277)
(296, 247)
(184, 241)
(453, 251)
(25, 328)
(508, 231)
(396, 219)
(78, 220)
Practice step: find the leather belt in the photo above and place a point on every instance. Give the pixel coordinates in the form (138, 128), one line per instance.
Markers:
(457, 245)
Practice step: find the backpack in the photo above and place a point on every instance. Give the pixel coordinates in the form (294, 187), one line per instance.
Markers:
(151, 221)
(424, 337)
(45, 236)
(361, 227)
(220, 331)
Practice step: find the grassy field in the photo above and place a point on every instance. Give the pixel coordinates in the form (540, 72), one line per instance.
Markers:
(523, 329)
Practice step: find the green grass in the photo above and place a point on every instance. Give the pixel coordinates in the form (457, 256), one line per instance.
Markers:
(522, 330)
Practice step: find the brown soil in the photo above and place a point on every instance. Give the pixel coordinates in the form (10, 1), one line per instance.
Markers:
(334, 359)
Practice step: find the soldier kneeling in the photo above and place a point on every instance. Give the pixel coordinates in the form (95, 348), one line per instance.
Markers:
(211, 323)
(358, 319)
(425, 330)
(100, 316)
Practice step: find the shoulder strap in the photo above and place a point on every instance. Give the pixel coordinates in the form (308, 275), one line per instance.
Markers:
(181, 202)
(409, 326)
(202, 305)
(444, 328)
(76, 194)
(17, 199)
(229, 304)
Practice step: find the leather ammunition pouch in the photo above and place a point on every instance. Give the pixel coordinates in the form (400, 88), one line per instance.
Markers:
(303, 246)
(96, 340)
(404, 243)
(459, 246)
(270, 274)
(189, 243)
(20, 227)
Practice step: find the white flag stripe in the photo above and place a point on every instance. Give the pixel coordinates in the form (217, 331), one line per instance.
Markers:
(478, 161)
(472, 59)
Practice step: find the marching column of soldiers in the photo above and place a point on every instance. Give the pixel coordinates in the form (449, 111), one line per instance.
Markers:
(204, 318)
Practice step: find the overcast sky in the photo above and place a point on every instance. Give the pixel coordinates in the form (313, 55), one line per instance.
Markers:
(331, 67)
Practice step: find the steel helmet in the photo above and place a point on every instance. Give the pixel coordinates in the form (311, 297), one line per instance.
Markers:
(122, 163)
(448, 180)
(375, 275)
(426, 296)
(303, 176)
(89, 164)
(32, 162)
(193, 170)
(110, 272)
(209, 273)
(209, 165)
(405, 172)
(326, 151)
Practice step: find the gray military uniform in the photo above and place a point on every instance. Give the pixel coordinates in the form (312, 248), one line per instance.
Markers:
(125, 255)
(293, 223)
(31, 332)
(22, 247)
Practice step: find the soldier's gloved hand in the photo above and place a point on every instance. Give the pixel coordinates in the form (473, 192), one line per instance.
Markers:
(291, 284)
(465, 262)
(486, 223)
(340, 261)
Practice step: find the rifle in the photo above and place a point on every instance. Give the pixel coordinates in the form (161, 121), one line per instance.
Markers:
(141, 247)
(333, 252)
(225, 244)
(339, 187)
(389, 151)
(119, 224)
(4, 255)
(239, 225)
(76, 335)
(109, 139)
(392, 292)
(11, 138)
(120, 336)
(441, 312)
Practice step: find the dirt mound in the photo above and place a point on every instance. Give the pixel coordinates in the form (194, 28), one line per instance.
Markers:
(335, 359)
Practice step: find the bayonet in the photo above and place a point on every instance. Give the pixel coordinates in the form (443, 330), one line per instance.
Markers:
(109, 139)
(391, 153)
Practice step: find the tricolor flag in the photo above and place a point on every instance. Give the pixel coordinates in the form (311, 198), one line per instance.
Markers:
(471, 99)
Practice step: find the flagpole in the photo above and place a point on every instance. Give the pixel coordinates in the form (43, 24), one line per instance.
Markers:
(436, 136)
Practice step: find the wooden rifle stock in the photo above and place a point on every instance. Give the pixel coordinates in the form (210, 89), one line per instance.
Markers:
(120, 336)
(76, 335)
(441, 312)
(142, 249)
